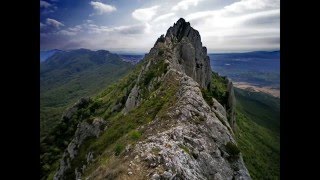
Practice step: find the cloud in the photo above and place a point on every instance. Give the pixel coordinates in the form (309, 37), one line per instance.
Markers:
(102, 8)
(54, 23)
(75, 28)
(245, 6)
(42, 25)
(145, 14)
(243, 25)
(134, 29)
(67, 33)
(44, 4)
(163, 17)
(185, 4)
(225, 26)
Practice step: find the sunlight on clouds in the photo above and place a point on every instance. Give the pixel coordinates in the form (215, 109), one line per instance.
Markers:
(145, 14)
(223, 25)
(163, 17)
(102, 8)
(185, 4)
(54, 23)
(44, 4)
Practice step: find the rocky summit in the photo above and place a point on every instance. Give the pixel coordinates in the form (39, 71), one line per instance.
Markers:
(171, 118)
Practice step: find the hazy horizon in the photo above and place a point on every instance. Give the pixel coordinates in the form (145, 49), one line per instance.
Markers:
(142, 53)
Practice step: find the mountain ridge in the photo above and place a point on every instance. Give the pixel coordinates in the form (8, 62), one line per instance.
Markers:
(162, 121)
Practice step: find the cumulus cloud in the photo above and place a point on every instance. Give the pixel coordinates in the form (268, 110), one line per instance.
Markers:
(245, 6)
(247, 24)
(163, 17)
(44, 4)
(145, 14)
(102, 8)
(67, 33)
(185, 4)
(54, 23)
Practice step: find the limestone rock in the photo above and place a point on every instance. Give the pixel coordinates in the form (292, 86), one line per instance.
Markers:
(84, 130)
(206, 139)
(133, 100)
(78, 105)
(189, 52)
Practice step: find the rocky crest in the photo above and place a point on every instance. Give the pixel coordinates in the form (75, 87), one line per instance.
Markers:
(191, 141)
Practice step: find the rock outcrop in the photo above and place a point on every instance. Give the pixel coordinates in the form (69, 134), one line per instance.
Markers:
(194, 147)
(189, 54)
(84, 130)
(78, 105)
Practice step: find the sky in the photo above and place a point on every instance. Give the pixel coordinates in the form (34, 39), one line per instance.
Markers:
(133, 26)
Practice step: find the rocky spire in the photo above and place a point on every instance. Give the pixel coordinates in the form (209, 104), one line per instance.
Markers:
(191, 55)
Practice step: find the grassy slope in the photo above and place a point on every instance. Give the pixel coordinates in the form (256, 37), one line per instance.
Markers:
(258, 134)
(121, 128)
(81, 74)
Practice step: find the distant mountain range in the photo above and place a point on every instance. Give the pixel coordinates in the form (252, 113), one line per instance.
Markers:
(68, 75)
(133, 59)
(44, 55)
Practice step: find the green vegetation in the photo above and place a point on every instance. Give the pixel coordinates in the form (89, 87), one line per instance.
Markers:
(262, 108)
(232, 149)
(184, 148)
(217, 90)
(258, 125)
(67, 76)
(118, 149)
(258, 134)
(122, 128)
(53, 144)
(135, 135)
(159, 67)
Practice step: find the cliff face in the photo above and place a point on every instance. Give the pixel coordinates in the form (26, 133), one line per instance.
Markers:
(182, 135)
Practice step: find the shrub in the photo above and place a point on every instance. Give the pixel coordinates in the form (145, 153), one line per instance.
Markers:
(135, 135)
(160, 53)
(207, 96)
(232, 149)
(118, 149)
(185, 149)
(149, 75)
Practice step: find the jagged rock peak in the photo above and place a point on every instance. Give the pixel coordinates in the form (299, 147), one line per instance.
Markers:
(182, 29)
(188, 54)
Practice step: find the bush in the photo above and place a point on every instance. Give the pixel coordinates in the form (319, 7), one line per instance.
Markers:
(185, 149)
(232, 149)
(207, 96)
(135, 135)
(160, 53)
(149, 75)
(118, 149)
